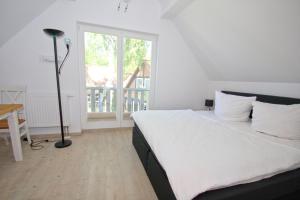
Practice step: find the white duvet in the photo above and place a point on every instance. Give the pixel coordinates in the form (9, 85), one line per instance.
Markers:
(201, 153)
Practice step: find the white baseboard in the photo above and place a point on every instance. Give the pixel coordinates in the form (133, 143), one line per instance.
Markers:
(49, 131)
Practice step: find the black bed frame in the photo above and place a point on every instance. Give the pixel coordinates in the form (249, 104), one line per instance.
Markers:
(285, 186)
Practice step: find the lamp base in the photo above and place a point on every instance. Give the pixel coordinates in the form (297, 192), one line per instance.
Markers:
(60, 144)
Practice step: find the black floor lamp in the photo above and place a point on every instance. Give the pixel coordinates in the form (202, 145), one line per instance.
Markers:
(54, 34)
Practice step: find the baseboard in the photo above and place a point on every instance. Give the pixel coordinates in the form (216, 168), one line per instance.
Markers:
(84, 131)
(54, 135)
(105, 130)
(50, 130)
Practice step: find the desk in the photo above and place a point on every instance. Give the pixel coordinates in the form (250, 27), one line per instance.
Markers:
(9, 112)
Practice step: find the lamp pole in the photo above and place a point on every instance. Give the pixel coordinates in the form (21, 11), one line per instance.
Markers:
(54, 34)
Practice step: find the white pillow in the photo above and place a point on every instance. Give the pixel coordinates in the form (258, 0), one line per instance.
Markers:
(232, 107)
(278, 120)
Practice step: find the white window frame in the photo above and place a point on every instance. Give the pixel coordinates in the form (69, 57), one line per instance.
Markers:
(121, 34)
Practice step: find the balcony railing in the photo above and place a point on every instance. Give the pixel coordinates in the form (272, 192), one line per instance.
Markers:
(103, 99)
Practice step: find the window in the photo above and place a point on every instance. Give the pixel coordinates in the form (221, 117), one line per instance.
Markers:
(118, 72)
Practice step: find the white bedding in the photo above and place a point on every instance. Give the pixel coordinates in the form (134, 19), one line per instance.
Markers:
(199, 152)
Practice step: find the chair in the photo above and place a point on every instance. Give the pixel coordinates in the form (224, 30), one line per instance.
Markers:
(14, 95)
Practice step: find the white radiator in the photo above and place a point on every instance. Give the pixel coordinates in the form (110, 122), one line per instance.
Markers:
(42, 110)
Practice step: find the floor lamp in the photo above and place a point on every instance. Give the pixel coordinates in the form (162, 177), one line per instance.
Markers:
(54, 34)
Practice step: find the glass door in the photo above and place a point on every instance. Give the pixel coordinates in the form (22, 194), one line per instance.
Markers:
(136, 75)
(101, 75)
(116, 75)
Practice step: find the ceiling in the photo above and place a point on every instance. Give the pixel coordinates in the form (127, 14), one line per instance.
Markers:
(250, 40)
(233, 40)
(16, 14)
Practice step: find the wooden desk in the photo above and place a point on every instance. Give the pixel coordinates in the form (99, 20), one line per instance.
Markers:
(9, 112)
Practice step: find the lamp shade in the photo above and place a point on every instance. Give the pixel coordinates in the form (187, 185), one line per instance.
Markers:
(53, 32)
(209, 102)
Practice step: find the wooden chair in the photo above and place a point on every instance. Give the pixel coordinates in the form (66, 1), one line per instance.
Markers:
(14, 95)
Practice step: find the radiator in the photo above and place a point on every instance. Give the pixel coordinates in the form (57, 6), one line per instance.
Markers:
(42, 110)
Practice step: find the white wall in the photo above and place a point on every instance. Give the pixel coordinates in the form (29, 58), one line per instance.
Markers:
(166, 3)
(15, 14)
(276, 89)
(181, 83)
(249, 40)
(181, 79)
(247, 46)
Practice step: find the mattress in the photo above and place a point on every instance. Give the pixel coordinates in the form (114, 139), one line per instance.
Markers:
(229, 153)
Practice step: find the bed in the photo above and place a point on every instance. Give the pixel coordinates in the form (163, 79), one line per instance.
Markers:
(284, 185)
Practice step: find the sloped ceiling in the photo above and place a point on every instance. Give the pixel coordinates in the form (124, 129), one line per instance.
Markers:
(233, 40)
(16, 14)
(248, 40)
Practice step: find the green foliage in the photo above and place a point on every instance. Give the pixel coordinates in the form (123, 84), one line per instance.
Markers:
(101, 50)
(135, 54)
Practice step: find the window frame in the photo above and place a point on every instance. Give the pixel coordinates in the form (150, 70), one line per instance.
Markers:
(106, 120)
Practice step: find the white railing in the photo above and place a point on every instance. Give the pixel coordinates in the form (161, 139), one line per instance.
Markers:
(135, 99)
(103, 99)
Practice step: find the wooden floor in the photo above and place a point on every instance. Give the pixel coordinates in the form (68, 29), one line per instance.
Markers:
(102, 165)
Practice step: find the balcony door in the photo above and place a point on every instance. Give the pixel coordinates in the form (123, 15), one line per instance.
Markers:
(117, 75)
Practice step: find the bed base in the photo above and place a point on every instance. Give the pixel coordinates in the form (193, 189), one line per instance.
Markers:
(285, 186)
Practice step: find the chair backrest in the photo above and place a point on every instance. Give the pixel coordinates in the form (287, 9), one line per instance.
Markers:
(13, 95)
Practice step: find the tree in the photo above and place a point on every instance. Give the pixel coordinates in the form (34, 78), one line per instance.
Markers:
(135, 54)
(101, 50)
